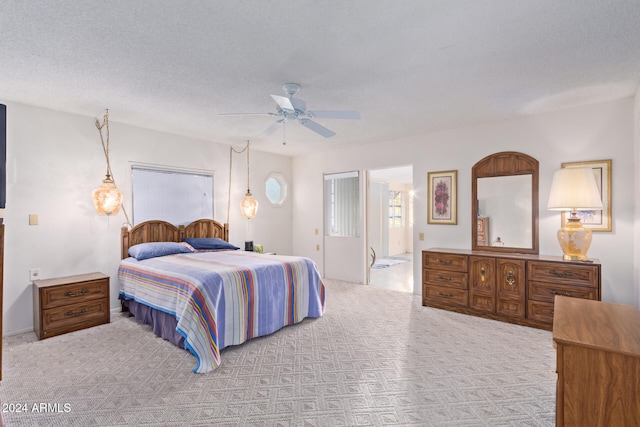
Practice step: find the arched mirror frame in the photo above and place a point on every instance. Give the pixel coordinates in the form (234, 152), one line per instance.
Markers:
(505, 163)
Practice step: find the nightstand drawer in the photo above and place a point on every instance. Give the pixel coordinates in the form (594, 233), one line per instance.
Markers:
(61, 295)
(582, 275)
(74, 316)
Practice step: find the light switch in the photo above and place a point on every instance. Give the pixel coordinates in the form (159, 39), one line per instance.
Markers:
(420, 236)
(33, 219)
(316, 231)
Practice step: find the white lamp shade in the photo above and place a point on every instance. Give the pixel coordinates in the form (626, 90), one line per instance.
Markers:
(574, 188)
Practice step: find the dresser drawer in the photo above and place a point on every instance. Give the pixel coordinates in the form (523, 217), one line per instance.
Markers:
(510, 307)
(57, 296)
(451, 279)
(74, 316)
(483, 302)
(582, 275)
(441, 295)
(442, 261)
(540, 311)
(546, 292)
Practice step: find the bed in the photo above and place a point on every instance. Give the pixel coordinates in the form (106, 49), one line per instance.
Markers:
(210, 296)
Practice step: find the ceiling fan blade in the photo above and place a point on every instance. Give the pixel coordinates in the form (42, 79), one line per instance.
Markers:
(353, 115)
(247, 114)
(271, 129)
(283, 102)
(317, 127)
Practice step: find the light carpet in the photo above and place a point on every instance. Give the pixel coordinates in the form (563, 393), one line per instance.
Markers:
(376, 358)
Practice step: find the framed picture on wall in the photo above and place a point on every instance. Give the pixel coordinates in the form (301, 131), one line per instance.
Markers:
(443, 197)
(596, 220)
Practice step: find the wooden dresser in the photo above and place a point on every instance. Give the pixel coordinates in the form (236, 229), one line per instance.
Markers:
(514, 288)
(67, 304)
(598, 363)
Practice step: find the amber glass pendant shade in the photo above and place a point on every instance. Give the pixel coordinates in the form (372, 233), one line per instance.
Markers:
(249, 206)
(107, 199)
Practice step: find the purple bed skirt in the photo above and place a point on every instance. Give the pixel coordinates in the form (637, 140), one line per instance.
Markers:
(163, 324)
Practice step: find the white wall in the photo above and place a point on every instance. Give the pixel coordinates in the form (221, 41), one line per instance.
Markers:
(593, 132)
(55, 162)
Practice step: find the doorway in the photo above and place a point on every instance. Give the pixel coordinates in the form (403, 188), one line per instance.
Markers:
(390, 228)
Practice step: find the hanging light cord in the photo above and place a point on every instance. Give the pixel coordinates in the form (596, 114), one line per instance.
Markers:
(231, 151)
(105, 148)
(248, 151)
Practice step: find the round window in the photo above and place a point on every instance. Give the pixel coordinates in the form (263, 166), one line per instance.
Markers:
(276, 188)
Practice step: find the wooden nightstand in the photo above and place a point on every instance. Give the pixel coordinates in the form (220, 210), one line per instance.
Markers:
(67, 304)
(598, 363)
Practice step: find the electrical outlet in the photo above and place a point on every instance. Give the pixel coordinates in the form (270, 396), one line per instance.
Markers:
(34, 274)
(420, 236)
(317, 247)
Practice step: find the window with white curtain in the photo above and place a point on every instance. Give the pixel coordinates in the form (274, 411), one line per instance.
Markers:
(342, 204)
(173, 195)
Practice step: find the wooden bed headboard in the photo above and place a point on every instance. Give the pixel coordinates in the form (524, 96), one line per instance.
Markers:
(162, 231)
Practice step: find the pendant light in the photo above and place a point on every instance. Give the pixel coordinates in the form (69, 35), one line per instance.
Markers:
(248, 205)
(107, 199)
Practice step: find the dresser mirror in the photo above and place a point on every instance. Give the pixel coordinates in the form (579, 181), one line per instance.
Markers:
(505, 203)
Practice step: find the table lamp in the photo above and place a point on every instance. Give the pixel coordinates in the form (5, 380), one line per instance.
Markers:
(574, 189)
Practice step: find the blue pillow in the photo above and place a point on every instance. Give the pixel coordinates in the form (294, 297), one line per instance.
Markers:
(209, 243)
(155, 249)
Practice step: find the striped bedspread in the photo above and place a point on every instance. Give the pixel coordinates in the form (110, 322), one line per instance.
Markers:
(225, 298)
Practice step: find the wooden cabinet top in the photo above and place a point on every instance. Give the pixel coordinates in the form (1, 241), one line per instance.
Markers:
(599, 325)
(527, 257)
(41, 283)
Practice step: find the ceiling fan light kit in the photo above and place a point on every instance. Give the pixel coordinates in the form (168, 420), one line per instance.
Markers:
(295, 109)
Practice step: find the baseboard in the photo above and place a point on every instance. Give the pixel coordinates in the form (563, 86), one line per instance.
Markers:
(18, 332)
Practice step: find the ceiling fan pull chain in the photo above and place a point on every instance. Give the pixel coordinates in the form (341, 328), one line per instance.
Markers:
(284, 133)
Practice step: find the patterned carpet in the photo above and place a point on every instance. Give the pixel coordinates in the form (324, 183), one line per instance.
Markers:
(376, 358)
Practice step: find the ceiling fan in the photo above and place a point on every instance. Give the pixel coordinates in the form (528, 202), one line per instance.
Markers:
(295, 109)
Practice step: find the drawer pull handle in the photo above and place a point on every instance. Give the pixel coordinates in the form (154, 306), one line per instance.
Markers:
(565, 274)
(565, 293)
(75, 313)
(511, 278)
(447, 262)
(551, 311)
(445, 295)
(74, 294)
(441, 277)
(483, 274)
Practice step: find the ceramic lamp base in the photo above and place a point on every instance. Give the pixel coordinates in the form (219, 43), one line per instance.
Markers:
(574, 240)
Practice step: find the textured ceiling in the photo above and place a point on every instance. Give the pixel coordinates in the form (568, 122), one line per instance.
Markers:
(409, 67)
